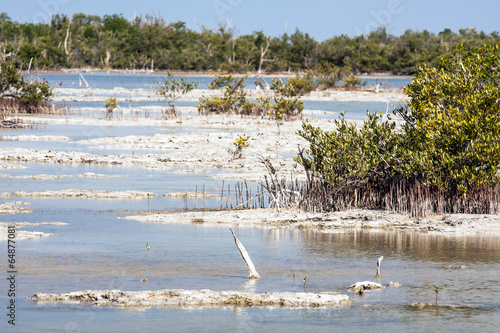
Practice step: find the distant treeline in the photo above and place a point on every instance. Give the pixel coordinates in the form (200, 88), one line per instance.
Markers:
(149, 42)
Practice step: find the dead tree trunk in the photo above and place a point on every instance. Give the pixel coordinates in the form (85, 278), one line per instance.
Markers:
(244, 254)
(263, 51)
(66, 48)
(108, 57)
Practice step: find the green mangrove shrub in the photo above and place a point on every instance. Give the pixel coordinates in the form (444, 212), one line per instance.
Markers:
(233, 99)
(328, 75)
(445, 155)
(287, 104)
(352, 82)
(110, 104)
(171, 90)
(226, 79)
(241, 143)
(302, 84)
(352, 156)
(29, 95)
(284, 105)
(454, 122)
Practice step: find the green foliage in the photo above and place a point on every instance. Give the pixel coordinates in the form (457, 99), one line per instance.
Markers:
(352, 81)
(449, 141)
(110, 104)
(28, 91)
(233, 100)
(222, 80)
(241, 143)
(287, 105)
(302, 84)
(351, 156)
(455, 119)
(250, 108)
(172, 89)
(216, 104)
(265, 105)
(10, 76)
(329, 75)
(33, 91)
(115, 23)
(436, 291)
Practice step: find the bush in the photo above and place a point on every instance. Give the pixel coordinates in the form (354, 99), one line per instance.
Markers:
(30, 94)
(352, 81)
(455, 120)
(350, 156)
(302, 85)
(445, 157)
(172, 89)
(222, 80)
(233, 100)
(328, 75)
(287, 104)
(110, 104)
(241, 143)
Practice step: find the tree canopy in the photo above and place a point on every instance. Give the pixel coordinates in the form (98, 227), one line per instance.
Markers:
(150, 42)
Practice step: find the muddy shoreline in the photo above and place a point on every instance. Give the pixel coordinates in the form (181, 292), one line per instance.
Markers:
(449, 224)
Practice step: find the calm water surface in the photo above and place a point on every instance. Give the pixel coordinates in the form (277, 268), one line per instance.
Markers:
(128, 80)
(98, 249)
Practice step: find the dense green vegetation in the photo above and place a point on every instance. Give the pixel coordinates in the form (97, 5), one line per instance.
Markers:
(17, 90)
(150, 42)
(444, 158)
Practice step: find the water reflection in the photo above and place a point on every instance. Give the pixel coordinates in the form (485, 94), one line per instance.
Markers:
(97, 251)
(413, 245)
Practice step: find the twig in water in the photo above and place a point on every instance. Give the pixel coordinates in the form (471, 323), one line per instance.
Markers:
(379, 262)
(436, 290)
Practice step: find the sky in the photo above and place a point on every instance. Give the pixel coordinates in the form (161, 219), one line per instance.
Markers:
(322, 19)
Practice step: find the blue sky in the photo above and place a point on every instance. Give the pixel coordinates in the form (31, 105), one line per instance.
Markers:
(320, 18)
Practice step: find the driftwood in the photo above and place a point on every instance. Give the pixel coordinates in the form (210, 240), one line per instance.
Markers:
(244, 254)
(86, 83)
(379, 262)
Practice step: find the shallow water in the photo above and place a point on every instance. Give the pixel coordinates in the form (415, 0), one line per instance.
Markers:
(122, 85)
(352, 110)
(99, 250)
(76, 133)
(129, 80)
